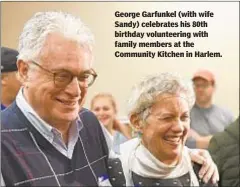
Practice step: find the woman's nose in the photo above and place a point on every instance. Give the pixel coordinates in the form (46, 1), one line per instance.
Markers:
(178, 125)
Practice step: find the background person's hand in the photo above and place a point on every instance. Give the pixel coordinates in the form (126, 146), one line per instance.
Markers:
(193, 133)
(202, 142)
(209, 169)
(117, 125)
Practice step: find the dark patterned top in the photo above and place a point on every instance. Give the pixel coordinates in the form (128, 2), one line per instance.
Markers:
(116, 175)
(139, 181)
(117, 179)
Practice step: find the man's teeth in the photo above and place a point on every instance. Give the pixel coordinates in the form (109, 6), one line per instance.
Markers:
(175, 139)
(68, 103)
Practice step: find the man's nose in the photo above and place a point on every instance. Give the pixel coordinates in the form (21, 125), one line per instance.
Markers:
(73, 88)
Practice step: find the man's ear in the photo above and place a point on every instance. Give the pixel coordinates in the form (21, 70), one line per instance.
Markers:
(136, 122)
(214, 87)
(23, 69)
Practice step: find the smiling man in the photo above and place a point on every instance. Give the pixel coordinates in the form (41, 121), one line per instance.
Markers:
(48, 139)
(207, 118)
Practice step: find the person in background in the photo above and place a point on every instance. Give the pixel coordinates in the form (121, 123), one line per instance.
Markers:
(10, 83)
(104, 106)
(224, 149)
(159, 108)
(206, 117)
(47, 137)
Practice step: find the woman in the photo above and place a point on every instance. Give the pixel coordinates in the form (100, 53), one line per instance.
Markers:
(104, 107)
(160, 110)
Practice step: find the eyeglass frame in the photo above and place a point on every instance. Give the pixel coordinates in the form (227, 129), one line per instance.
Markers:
(204, 86)
(93, 73)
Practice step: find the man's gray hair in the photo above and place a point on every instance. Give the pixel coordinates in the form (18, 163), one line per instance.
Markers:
(145, 93)
(41, 24)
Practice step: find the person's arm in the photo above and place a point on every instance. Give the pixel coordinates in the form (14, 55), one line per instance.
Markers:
(191, 143)
(201, 142)
(117, 125)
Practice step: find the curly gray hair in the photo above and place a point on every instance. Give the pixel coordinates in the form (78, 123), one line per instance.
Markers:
(41, 24)
(145, 93)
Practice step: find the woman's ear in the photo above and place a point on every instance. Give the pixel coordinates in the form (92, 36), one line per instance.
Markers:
(136, 122)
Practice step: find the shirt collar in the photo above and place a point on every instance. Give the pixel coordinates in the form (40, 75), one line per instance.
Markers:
(2, 107)
(43, 127)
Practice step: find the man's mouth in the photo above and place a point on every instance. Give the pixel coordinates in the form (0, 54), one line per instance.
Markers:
(67, 103)
(173, 140)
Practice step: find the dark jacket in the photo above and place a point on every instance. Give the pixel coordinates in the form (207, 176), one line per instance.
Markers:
(224, 148)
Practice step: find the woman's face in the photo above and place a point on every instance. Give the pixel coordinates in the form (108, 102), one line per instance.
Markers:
(166, 128)
(104, 110)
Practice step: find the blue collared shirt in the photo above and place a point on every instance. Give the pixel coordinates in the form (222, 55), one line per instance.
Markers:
(53, 135)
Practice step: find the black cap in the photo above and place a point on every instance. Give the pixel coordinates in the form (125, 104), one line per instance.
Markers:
(8, 59)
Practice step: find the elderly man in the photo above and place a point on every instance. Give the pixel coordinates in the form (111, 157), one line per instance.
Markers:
(45, 140)
(206, 118)
(10, 83)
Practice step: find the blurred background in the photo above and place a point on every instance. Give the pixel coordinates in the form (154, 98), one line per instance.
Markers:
(118, 75)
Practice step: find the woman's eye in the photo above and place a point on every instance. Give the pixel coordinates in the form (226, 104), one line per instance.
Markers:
(184, 118)
(96, 109)
(165, 118)
(105, 108)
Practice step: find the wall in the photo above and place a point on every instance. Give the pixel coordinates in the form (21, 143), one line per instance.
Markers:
(117, 75)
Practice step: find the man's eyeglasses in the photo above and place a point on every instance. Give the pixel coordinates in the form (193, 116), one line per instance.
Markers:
(204, 86)
(63, 78)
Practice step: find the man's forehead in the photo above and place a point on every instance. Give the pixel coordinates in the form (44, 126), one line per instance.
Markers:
(56, 44)
(76, 54)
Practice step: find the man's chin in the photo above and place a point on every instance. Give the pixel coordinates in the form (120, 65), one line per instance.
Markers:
(68, 117)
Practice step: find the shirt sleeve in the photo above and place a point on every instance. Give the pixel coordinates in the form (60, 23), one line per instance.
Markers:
(191, 143)
(229, 117)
